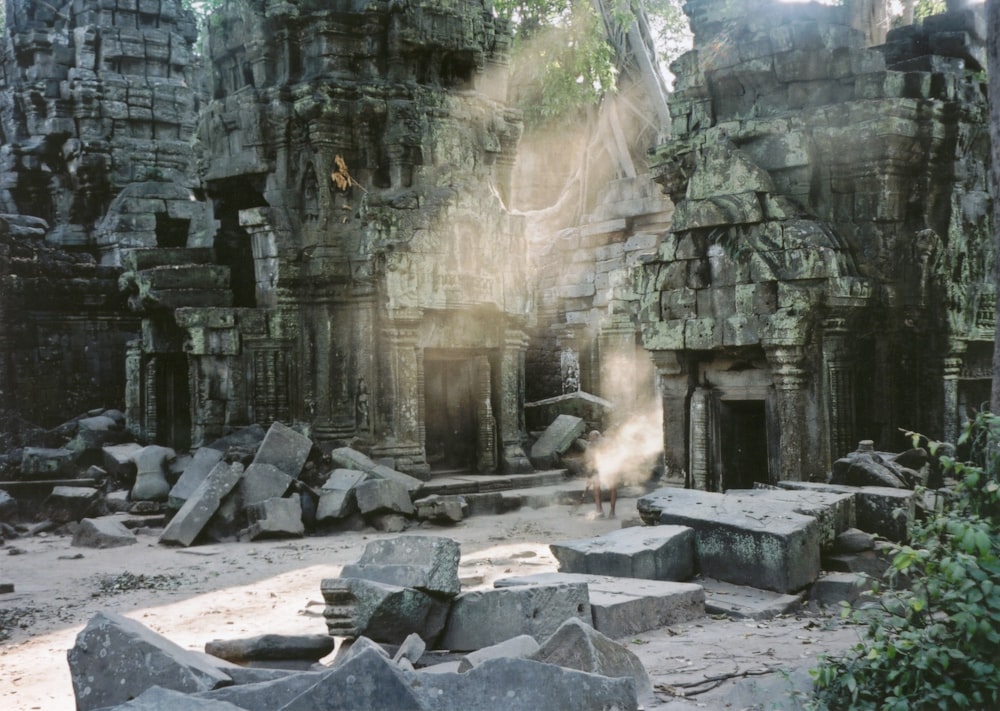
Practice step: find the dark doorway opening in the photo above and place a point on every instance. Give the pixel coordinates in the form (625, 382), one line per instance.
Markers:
(171, 232)
(743, 443)
(450, 413)
(173, 412)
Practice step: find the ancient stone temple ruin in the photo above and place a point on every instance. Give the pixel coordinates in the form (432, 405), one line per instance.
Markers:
(827, 273)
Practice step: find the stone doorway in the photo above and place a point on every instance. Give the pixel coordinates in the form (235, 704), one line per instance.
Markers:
(742, 442)
(460, 432)
(173, 411)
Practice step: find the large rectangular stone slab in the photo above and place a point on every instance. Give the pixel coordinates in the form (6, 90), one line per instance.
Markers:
(336, 497)
(626, 606)
(204, 460)
(555, 440)
(428, 563)
(756, 542)
(650, 552)
(261, 482)
(835, 512)
(192, 517)
(284, 448)
(486, 617)
(349, 458)
(881, 510)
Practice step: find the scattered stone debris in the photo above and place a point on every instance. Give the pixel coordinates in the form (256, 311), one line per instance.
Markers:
(11, 617)
(125, 582)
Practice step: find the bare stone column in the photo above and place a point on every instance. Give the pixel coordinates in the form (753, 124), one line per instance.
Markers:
(674, 388)
(951, 368)
(511, 413)
(789, 383)
(840, 388)
(263, 244)
(322, 346)
(398, 401)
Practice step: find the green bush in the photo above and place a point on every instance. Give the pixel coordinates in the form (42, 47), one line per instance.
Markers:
(932, 639)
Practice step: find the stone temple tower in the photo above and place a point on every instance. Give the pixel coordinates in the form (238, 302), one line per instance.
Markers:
(365, 277)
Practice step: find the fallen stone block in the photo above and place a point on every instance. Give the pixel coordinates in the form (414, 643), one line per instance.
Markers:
(427, 563)
(650, 552)
(621, 607)
(383, 496)
(8, 508)
(103, 532)
(337, 498)
(853, 540)
(353, 647)
(760, 543)
(380, 471)
(362, 680)
(115, 659)
(884, 511)
(185, 526)
(520, 647)
(203, 461)
(156, 698)
(411, 649)
(381, 612)
(349, 458)
(524, 685)
(151, 475)
(270, 647)
(264, 695)
(577, 645)
(741, 601)
(485, 617)
(261, 482)
(388, 522)
(245, 440)
(555, 440)
(275, 518)
(285, 449)
(71, 503)
(834, 512)
(872, 563)
(94, 433)
(441, 509)
(835, 588)
(43, 463)
(118, 462)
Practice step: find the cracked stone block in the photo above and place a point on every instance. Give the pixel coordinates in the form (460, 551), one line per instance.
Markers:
(555, 440)
(157, 699)
(261, 482)
(626, 606)
(103, 532)
(115, 659)
(427, 563)
(275, 518)
(119, 462)
(71, 503)
(44, 463)
(441, 509)
(520, 647)
(196, 512)
(203, 461)
(834, 512)
(834, 588)
(383, 496)
(349, 458)
(761, 543)
(882, 510)
(336, 497)
(485, 617)
(381, 612)
(650, 552)
(285, 449)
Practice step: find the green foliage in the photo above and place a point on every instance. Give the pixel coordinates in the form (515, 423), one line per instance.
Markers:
(926, 8)
(933, 636)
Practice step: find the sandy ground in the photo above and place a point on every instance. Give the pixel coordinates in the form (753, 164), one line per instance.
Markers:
(226, 591)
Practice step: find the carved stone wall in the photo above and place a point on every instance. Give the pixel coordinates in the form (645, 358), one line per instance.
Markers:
(828, 266)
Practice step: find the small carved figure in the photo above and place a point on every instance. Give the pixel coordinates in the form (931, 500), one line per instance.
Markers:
(361, 405)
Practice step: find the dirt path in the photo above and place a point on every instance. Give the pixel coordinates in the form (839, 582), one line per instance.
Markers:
(235, 590)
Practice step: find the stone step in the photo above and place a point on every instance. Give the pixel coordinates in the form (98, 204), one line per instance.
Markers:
(469, 483)
(742, 601)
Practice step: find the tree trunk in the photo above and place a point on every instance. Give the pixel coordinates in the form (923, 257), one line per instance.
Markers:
(993, 68)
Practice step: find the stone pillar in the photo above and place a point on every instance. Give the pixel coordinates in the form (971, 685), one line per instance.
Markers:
(701, 470)
(399, 398)
(511, 414)
(674, 388)
(951, 368)
(322, 343)
(134, 414)
(617, 348)
(839, 389)
(264, 245)
(790, 380)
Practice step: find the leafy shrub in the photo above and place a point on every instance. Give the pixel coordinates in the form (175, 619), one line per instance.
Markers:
(932, 639)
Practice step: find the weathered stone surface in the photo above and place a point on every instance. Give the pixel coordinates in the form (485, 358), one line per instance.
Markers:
(835, 588)
(71, 503)
(8, 507)
(103, 532)
(203, 461)
(626, 606)
(867, 468)
(411, 649)
(577, 645)
(356, 684)
(380, 471)
(285, 449)
(485, 617)
(263, 481)
(555, 440)
(353, 647)
(265, 647)
(264, 695)
(881, 510)
(651, 552)
(275, 518)
(382, 496)
(381, 612)
(119, 462)
(115, 659)
(157, 698)
(151, 475)
(756, 542)
(834, 512)
(337, 498)
(388, 522)
(199, 508)
(427, 563)
(520, 647)
(854, 540)
(590, 408)
(441, 509)
(45, 463)
(741, 601)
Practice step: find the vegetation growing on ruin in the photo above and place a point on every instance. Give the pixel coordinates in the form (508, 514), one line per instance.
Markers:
(934, 640)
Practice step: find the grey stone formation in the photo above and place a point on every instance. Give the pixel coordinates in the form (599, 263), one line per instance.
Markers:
(270, 647)
(447, 509)
(72, 503)
(157, 698)
(557, 438)
(103, 532)
(827, 274)
(650, 552)
(881, 510)
(481, 618)
(336, 497)
(427, 563)
(261, 482)
(384, 613)
(834, 512)
(383, 496)
(274, 518)
(521, 647)
(47, 463)
(196, 512)
(115, 659)
(758, 542)
(150, 473)
(285, 449)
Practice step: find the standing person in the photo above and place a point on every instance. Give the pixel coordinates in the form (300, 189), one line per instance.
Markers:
(594, 440)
